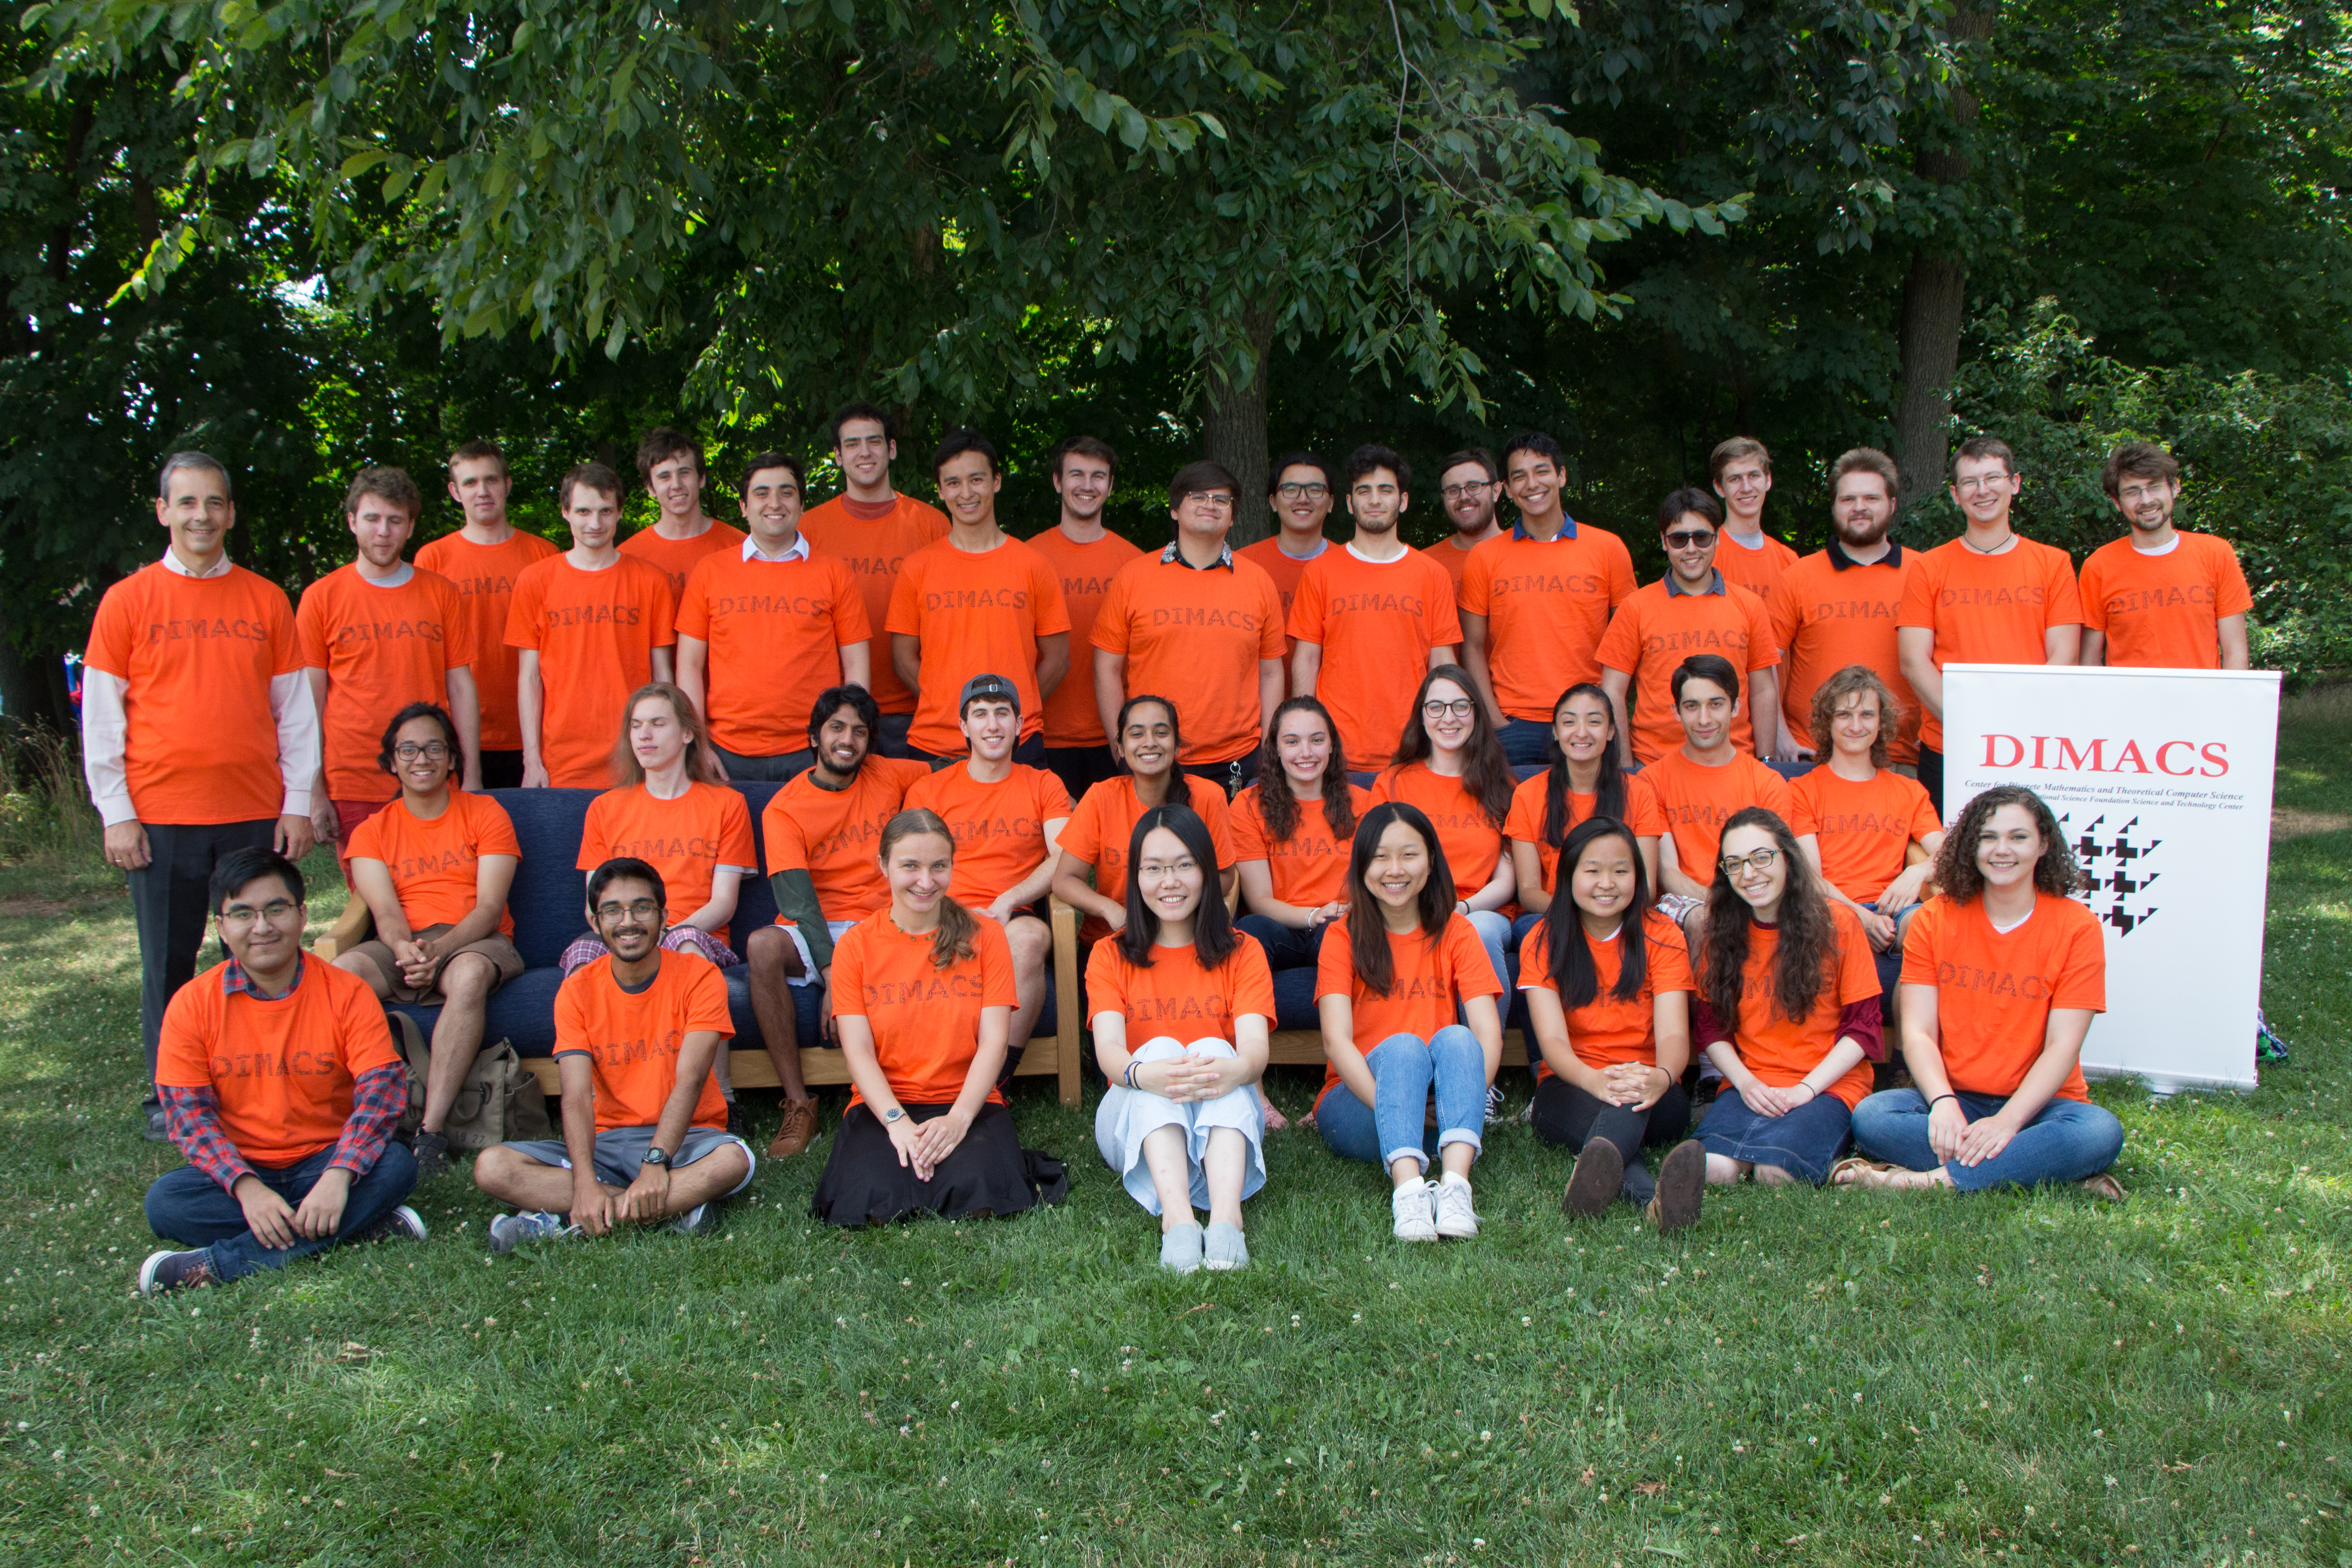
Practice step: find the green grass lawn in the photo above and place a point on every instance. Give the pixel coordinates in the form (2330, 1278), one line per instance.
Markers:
(1805, 1377)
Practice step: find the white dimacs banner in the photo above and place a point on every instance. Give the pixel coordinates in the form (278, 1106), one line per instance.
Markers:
(2161, 780)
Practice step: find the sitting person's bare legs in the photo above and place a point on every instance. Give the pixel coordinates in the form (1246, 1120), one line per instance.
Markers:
(776, 962)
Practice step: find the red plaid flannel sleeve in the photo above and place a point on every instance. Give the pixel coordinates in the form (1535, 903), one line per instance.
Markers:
(378, 1097)
(193, 1118)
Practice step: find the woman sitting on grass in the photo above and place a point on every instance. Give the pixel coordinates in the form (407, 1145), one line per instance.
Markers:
(1180, 1123)
(1999, 1098)
(1449, 765)
(1396, 971)
(1608, 985)
(1582, 781)
(1292, 830)
(923, 996)
(1788, 1010)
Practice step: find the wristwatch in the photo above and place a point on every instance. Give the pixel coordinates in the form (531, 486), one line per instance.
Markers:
(895, 1114)
(654, 1157)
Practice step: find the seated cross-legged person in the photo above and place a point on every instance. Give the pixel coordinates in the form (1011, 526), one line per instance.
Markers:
(1876, 832)
(1582, 779)
(820, 833)
(1181, 1005)
(924, 1001)
(1007, 817)
(1449, 765)
(433, 868)
(281, 1086)
(1093, 844)
(1609, 985)
(1292, 831)
(1787, 1008)
(1699, 785)
(644, 1131)
(2001, 975)
(1397, 970)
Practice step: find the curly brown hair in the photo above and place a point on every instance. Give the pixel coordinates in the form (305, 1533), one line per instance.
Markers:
(1809, 951)
(2057, 872)
(1278, 805)
(1844, 684)
(1485, 772)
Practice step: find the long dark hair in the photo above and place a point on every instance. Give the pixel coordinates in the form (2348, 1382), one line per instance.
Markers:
(952, 943)
(1368, 934)
(1213, 930)
(1608, 789)
(1573, 972)
(1808, 937)
(1486, 771)
(1276, 804)
(2055, 872)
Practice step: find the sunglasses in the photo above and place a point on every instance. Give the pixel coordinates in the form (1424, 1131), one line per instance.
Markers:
(1687, 539)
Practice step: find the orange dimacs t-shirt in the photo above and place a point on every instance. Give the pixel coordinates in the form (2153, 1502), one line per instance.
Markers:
(688, 840)
(1988, 608)
(2162, 611)
(678, 558)
(1430, 977)
(1865, 829)
(926, 1019)
(1000, 828)
(1472, 840)
(1758, 571)
(1546, 605)
(1195, 638)
(1286, 569)
(1071, 719)
(975, 614)
(1309, 868)
(1377, 623)
(1829, 611)
(835, 835)
(436, 866)
(486, 577)
(1779, 1049)
(776, 629)
(1695, 801)
(1103, 825)
(876, 541)
(196, 656)
(1529, 803)
(382, 649)
(1657, 628)
(1605, 1030)
(595, 633)
(282, 1070)
(1994, 990)
(1452, 555)
(634, 1040)
(1176, 997)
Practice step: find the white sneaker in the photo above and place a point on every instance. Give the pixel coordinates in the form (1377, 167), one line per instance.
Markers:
(1414, 1212)
(1455, 1219)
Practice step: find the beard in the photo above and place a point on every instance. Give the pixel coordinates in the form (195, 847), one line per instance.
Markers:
(1862, 536)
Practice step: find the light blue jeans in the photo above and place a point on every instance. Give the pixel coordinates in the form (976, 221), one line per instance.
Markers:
(2067, 1140)
(1394, 1126)
(1494, 928)
(1128, 1117)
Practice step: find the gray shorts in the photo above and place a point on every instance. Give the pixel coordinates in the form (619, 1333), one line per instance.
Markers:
(621, 1153)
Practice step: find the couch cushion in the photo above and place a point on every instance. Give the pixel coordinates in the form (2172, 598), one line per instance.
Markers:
(549, 899)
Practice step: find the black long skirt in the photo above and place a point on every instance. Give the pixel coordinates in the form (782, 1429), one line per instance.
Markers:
(990, 1171)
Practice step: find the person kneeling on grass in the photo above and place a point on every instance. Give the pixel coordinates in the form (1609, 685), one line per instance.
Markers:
(923, 998)
(433, 868)
(1397, 970)
(645, 1127)
(1180, 1123)
(1608, 985)
(1788, 1007)
(281, 1085)
(2001, 977)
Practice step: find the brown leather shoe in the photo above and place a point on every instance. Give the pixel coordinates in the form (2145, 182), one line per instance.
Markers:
(1592, 1185)
(799, 1127)
(1682, 1186)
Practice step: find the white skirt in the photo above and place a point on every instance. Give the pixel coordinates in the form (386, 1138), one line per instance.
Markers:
(1128, 1117)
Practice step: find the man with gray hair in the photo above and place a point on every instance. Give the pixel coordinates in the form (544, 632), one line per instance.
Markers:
(199, 735)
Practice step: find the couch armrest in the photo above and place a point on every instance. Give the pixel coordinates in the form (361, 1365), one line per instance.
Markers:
(1066, 1022)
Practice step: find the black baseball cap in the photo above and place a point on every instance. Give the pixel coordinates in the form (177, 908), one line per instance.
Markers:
(988, 688)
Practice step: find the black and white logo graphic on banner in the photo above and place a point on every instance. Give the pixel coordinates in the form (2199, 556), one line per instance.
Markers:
(2161, 782)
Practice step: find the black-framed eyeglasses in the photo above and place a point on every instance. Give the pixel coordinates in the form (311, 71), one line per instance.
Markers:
(1460, 707)
(1295, 491)
(1687, 539)
(637, 909)
(1761, 860)
(276, 910)
(1458, 492)
(1216, 501)
(431, 750)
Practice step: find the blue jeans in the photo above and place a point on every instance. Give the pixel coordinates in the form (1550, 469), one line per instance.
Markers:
(1890, 962)
(1494, 929)
(1525, 741)
(186, 1204)
(2068, 1140)
(1404, 1069)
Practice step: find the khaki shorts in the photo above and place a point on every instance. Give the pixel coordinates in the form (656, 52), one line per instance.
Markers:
(495, 947)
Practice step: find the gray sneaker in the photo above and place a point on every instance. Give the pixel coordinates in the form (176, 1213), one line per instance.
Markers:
(1223, 1247)
(1180, 1249)
(509, 1231)
(699, 1220)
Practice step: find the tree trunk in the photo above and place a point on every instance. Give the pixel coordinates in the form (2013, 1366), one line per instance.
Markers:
(1935, 299)
(1234, 434)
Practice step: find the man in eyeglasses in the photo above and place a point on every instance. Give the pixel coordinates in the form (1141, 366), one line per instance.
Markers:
(1200, 626)
(1300, 498)
(1691, 610)
(645, 1127)
(281, 1087)
(1468, 485)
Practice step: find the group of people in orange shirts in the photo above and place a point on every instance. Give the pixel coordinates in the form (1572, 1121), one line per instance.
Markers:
(1730, 848)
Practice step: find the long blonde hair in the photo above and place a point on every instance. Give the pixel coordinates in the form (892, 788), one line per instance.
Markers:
(952, 943)
(628, 772)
